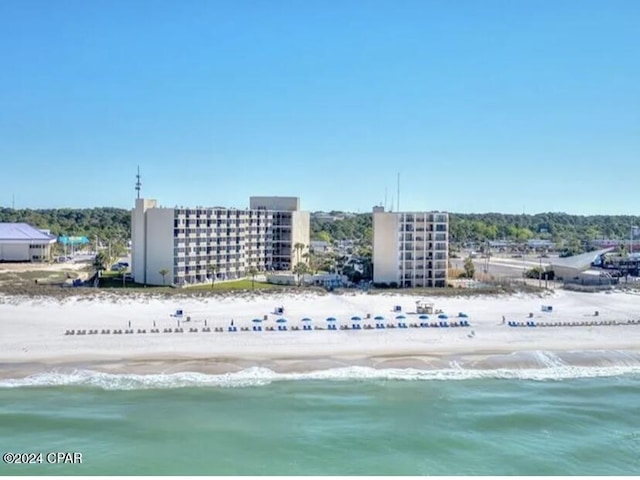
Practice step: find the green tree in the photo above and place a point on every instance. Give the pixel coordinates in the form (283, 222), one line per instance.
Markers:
(311, 260)
(324, 236)
(469, 268)
(164, 272)
(300, 269)
(101, 261)
(299, 247)
(252, 272)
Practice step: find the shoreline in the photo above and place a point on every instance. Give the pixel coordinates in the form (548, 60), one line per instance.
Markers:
(524, 361)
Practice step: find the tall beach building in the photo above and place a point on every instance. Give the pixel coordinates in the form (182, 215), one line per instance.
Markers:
(185, 242)
(410, 249)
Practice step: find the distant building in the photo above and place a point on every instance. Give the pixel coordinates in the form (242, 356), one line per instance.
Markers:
(20, 242)
(537, 243)
(320, 246)
(410, 248)
(504, 244)
(187, 241)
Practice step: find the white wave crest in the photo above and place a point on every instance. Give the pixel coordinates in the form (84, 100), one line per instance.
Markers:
(549, 359)
(257, 376)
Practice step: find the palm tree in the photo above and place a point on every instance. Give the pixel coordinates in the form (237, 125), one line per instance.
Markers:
(164, 272)
(212, 269)
(309, 260)
(252, 272)
(299, 247)
(300, 269)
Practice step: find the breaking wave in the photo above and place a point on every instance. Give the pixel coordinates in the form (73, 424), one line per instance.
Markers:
(550, 367)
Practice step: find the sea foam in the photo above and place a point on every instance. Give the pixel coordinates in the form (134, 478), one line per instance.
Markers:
(552, 368)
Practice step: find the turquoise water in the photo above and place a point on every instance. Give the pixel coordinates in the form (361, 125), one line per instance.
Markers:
(373, 426)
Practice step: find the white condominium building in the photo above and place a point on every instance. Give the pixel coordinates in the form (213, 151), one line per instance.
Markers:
(184, 243)
(410, 249)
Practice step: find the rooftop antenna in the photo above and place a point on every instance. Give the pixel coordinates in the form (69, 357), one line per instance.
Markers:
(385, 198)
(138, 184)
(398, 191)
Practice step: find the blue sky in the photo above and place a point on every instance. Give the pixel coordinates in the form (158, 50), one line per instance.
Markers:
(480, 105)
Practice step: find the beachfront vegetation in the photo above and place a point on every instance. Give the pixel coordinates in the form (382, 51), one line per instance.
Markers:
(300, 269)
(252, 272)
(469, 268)
(244, 284)
(540, 273)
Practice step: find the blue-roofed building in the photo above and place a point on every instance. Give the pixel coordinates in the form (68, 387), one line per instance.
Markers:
(20, 242)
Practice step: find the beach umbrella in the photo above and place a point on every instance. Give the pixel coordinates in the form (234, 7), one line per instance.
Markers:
(257, 320)
(331, 319)
(306, 319)
(380, 318)
(281, 320)
(443, 316)
(401, 317)
(356, 319)
(424, 317)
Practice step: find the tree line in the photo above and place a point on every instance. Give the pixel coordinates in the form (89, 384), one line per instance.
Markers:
(114, 224)
(106, 223)
(482, 227)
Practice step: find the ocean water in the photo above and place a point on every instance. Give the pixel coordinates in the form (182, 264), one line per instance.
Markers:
(353, 421)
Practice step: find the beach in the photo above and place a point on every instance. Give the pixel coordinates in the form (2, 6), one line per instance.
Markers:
(32, 333)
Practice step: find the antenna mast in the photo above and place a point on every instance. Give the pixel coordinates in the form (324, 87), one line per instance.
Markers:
(385, 198)
(138, 184)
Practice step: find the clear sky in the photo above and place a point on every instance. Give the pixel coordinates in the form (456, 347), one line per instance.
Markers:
(481, 105)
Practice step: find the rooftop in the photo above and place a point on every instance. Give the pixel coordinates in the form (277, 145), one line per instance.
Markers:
(579, 262)
(23, 232)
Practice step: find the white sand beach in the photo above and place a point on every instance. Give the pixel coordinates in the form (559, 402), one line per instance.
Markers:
(32, 332)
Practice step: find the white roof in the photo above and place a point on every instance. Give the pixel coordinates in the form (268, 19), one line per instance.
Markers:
(579, 262)
(23, 232)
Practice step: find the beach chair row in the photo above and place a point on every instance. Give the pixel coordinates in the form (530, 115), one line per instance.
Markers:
(280, 328)
(589, 323)
(523, 324)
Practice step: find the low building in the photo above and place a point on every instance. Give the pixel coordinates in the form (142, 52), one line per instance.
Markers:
(20, 242)
(540, 244)
(320, 246)
(568, 268)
